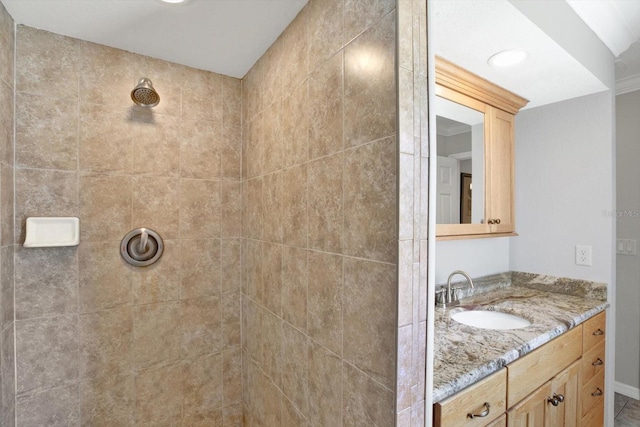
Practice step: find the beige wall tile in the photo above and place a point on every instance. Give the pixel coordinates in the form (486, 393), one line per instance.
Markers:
(231, 265)
(370, 182)
(272, 208)
(107, 75)
(405, 34)
(200, 321)
(199, 209)
(405, 283)
(252, 267)
(365, 402)
(201, 142)
(156, 143)
(7, 200)
(231, 152)
(46, 282)
(46, 63)
(271, 64)
(231, 209)
(6, 121)
(404, 368)
(46, 132)
(232, 416)
(7, 310)
(272, 138)
(253, 216)
(7, 371)
(107, 401)
(272, 277)
(326, 108)
(361, 14)
(272, 403)
(295, 367)
(291, 417)
(231, 320)
(105, 207)
(212, 418)
(44, 193)
(159, 394)
(160, 281)
(58, 407)
(295, 44)
(272, 347)
(6, 45)
(200, 271)
(202, 385)
(252, 320)
(370, 318)
(253, 144)
(294, 196)
(104, 279)
(325, 208)
(156, 334)
(294, 287)
(201, 95)
(325, 387)
(106, 343)
(231, 374)
(47, 353)
(105, 142)
(156, 205)
(325, 29)
(325, 300)
(370, 89)
(295, 124)
(231, 101)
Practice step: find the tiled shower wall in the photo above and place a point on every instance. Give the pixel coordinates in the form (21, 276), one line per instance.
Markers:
(320, 220)
(7, 376)
(100, 342)
(413, 211)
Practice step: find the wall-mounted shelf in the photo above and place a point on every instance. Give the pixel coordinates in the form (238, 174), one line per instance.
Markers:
(48, 232)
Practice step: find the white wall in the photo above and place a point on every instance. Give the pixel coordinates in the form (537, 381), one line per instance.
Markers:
(478, 257)
(564, 176)
(627, 358)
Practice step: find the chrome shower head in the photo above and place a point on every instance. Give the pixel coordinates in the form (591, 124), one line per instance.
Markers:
(144, 94)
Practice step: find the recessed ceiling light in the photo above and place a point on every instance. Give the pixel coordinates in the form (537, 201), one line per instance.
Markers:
(507, 58)
(173, 1)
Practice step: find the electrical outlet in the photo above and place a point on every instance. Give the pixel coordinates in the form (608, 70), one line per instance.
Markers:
(583, 255)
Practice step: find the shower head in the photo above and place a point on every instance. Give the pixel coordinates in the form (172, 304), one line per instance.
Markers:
(144, 94)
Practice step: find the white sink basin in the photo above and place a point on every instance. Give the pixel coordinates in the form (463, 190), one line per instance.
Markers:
(490, 319)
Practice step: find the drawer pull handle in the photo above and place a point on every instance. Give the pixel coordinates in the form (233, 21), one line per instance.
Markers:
(598, 362)
(481, 414)
(597, 393)
(599, 332)
(556, 399)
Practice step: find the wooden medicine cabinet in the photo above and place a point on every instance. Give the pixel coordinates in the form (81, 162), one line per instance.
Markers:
(475, 175)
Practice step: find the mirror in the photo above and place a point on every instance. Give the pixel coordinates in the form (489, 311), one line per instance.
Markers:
(460, 183)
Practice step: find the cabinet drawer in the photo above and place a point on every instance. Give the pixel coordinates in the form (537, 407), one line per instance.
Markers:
(539, 366)
(592, 394)
(454, 410)
(593, 363)
(500, 422)
(594, 331)
(594, 418)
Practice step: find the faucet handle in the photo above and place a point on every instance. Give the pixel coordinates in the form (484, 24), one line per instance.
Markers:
(455, 295)
(441, 297)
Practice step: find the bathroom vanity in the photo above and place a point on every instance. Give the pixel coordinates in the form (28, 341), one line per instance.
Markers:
(550, 373)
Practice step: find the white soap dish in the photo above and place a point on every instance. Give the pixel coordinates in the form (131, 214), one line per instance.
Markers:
(46, 232)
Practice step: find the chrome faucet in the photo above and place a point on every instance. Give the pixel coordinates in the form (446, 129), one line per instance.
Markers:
(450, 296)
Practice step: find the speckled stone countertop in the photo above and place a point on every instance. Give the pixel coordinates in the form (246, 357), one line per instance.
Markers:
(464, 354)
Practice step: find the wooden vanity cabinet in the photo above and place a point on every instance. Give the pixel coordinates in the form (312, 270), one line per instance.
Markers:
(570, 368)
(499, 107)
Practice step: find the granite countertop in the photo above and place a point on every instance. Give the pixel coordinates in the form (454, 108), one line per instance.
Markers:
(464, 354)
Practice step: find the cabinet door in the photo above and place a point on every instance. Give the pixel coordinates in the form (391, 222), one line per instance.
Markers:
(531, 411)
(500, 171)
(565, 387)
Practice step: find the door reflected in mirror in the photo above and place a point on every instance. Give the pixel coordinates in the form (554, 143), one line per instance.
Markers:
(460, 142)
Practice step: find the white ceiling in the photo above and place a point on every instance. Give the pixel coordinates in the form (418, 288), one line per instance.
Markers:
(615, 22)
(224, 36)
(468, 33)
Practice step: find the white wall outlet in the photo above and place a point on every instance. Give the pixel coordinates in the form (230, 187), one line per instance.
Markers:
(583, 255)
(626, 246)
